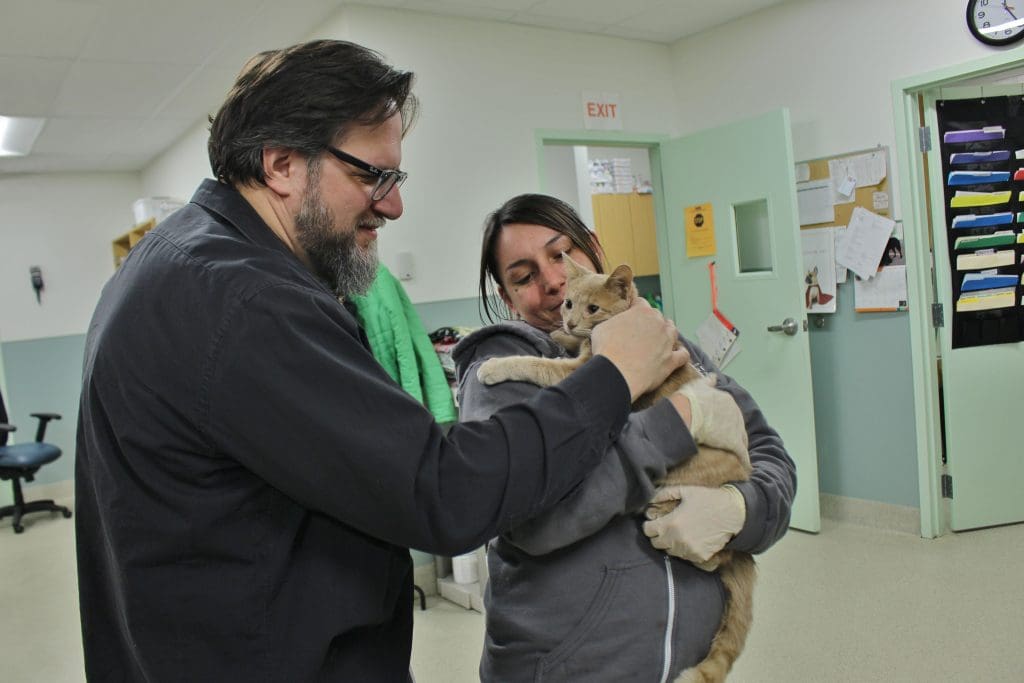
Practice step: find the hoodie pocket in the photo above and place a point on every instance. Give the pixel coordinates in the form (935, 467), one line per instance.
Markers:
(621, 634)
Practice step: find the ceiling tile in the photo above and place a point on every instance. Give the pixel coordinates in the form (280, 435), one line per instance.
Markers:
(466, 9)
(276, 25)
(501, 6)
(29, 86)
(202, 94)
(65, 26)
(82, 136)
(114, 89)
(180, 32)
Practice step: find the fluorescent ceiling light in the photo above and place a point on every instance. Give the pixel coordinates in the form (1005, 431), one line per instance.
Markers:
(18, 134)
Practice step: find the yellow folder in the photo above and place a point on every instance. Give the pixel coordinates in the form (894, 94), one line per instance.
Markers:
(964, 199)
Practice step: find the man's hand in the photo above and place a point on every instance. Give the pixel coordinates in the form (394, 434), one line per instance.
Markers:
(639, 343)
(715, 419)
(705, 520)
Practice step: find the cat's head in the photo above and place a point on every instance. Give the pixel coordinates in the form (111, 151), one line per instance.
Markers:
(592, 298)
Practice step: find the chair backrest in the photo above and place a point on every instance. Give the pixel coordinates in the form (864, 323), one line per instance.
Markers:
(3, 419)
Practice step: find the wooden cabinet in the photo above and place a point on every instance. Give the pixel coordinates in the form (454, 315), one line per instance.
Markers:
(624, 224)
(123, 244)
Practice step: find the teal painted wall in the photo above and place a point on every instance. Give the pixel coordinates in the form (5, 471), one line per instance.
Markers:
(864, 404)
(863, 397)
(44, 376)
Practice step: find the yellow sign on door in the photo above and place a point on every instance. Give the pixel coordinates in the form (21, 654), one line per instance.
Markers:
(700, 231)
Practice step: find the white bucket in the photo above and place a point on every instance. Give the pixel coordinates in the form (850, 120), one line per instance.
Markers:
(465, 568)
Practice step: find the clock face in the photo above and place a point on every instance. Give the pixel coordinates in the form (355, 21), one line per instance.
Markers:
(996, 22)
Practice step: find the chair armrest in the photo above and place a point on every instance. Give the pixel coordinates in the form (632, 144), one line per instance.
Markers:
(4, 427)
(43, 419)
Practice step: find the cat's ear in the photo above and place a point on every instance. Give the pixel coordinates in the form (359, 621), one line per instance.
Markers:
(621, 281)
(572, 268)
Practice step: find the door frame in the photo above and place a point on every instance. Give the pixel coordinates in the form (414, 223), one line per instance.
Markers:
(924, 343)
(613, 138)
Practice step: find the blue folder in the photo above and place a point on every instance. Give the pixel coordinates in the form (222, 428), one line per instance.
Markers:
(978, 281)
(979, 157)
(977, 177)
(971, 220)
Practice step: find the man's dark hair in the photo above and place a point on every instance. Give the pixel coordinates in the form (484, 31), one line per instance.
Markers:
(304, 98)
(532, 209)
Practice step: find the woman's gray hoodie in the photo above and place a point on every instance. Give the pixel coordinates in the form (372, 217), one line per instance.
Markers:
(579, 593)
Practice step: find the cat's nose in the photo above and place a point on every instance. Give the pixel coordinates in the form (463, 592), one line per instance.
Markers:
(571, 325)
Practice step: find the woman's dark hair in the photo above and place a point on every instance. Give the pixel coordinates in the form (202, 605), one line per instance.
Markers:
(303, 98)
(532, 209)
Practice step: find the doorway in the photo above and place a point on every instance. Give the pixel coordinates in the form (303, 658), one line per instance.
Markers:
(611, 189)
(986, 461)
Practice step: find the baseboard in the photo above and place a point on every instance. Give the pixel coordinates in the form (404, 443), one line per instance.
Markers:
(871, 513)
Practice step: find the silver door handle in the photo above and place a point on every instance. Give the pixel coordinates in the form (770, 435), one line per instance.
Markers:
(788, 326)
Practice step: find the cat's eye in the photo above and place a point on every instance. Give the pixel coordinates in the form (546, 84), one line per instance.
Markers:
(568, 304)
(593, 308)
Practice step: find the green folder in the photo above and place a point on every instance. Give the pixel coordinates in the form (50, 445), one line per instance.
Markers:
(996, 239)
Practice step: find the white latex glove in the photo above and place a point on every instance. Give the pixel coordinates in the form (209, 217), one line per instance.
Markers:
(715, 419)
(705, 520)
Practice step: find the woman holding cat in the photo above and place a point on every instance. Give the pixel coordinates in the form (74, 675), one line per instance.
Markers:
(580, 593)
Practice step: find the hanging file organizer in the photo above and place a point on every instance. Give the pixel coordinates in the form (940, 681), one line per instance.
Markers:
(982, 153)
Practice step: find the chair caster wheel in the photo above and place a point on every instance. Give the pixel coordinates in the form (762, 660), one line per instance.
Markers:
(18, 528)
(66, 513)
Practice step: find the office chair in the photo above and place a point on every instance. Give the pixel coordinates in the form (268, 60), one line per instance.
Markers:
(21, 461)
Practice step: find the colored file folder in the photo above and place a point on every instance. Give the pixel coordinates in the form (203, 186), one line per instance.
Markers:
(979, 157)
(1003, 257)
(975, 135)
(996, 239)
(1000, 298)
(978, 177)
(963, 199)
(974, 282)
(970, 220)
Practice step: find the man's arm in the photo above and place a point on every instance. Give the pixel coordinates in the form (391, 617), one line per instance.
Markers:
(291, 393)
(652, 441)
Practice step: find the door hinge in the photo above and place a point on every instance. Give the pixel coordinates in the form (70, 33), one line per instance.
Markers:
(925, 141)
(938, 318)
(947, 486)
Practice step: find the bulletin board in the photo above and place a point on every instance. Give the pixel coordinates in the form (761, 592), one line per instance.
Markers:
(839, 192)
(866, 197)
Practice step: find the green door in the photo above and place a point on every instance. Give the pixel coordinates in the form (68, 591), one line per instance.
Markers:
(982, 386)
(745, 172)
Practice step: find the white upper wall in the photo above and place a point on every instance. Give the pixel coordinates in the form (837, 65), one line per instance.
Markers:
(831, 62)
(63, 223)
(484, 88)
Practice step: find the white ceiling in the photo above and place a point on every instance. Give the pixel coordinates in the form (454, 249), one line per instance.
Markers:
(120, 80)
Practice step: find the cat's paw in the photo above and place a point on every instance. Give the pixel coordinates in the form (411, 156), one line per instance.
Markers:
(493, 371)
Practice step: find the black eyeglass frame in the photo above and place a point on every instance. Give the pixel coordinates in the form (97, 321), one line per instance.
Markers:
(387, 179)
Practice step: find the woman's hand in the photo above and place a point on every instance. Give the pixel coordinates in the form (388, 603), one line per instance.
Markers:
(639, 342)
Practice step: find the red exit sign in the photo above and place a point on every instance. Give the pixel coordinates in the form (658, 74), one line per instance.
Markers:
(601, 111)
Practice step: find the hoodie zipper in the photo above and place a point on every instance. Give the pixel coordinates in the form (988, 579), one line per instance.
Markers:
(670, 622)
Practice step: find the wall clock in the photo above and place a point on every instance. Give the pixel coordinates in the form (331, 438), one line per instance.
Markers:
(996, 22)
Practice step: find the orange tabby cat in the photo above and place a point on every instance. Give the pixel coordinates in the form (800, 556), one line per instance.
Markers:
(590, 299)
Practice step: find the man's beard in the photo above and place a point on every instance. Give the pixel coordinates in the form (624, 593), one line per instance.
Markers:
(334, 255)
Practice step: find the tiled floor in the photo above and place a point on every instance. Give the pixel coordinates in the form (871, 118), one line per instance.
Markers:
(849, 604)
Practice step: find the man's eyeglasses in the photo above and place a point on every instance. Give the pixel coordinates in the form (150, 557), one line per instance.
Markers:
(386, 179)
